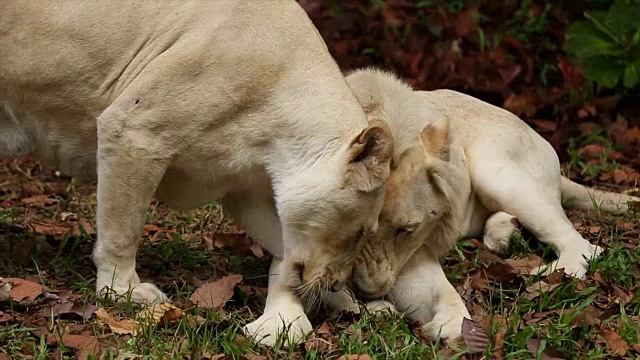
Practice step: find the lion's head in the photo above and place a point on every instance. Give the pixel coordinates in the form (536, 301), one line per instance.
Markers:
(418, 210)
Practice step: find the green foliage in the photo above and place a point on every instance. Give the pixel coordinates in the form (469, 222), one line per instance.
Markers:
(607, 44)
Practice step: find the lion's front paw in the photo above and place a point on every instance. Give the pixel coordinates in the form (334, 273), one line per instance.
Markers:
(141, 293)
(447, 325)
(573, 261)
(268, 328)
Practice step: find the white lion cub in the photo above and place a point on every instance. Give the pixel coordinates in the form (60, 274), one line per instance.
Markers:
(462, 168)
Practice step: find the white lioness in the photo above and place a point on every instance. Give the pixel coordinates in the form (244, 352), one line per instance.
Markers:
(462, 167)
(195, 101)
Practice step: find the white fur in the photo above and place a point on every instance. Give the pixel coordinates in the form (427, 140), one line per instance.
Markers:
(491, 168)
(194, 101)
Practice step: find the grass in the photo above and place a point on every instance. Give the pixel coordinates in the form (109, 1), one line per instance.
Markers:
(177, 260)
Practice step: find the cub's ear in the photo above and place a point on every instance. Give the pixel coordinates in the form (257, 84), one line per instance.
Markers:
(435, 139)
(370, 157)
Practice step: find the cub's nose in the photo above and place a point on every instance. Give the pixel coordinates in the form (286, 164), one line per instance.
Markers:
(337, 285)
(298, 268)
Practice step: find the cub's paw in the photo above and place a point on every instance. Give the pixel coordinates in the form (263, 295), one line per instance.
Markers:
(573, 261)
(141, 293)
(269, 327)
(498, 230)
(378, 307)
(335, 303)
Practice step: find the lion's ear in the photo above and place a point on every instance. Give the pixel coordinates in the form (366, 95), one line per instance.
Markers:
(370, 157)
(435, 139)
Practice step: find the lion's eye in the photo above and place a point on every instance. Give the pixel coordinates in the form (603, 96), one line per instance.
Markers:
(434, 213)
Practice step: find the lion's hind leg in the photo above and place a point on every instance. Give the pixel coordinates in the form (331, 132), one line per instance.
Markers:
(537, 208)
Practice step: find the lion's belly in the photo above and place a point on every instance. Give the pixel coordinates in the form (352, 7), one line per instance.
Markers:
(198, 182)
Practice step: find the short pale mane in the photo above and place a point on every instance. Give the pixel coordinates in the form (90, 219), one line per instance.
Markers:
(447, 231)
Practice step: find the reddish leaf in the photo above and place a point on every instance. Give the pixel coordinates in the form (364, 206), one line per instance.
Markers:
(545, 126)
(526, 265)
(465, 22)
(520, 105)
(215, 294)
(24, 290)
(547, 354)
(39, 200)
(64, 308)
(474, 336)
(84, 345)
(632, 136)
(614, 341)
(355, 357)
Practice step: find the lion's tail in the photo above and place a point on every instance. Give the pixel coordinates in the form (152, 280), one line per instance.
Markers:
(576, 196)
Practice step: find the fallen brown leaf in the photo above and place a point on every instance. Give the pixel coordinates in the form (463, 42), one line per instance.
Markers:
(547, 354)
(544, 125)
(84, 346)
(355, 357)
(526, 265)
(122, 327)
(614, 341)
(474, 336)
(69, 307)
(215, 294)
(520, 105)
(24, 290)
(158, 314)
(40, 200)
(4, 356)
(538, 288)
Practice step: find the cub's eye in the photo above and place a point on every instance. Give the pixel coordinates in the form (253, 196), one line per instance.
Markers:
(434, 213)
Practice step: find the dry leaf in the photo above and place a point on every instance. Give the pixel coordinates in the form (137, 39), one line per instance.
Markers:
(474, 336)
(632, 136)
(24, 290)
(536, 289)
(4, 317)
(547, 354)
(83, 310)
(545, 126)
(520, 104)
(83, 345)
(215, 294)
(122, 327)
(526, 265)
(158, 314)
(4, 356)
(614, 341)
(355, 357)
(39, 200)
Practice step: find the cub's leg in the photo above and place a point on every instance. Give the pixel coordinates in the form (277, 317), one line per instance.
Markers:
(423, 292)
(130, 166)
(284, 311)
(335, 303)
(537, 208)
(498, 230)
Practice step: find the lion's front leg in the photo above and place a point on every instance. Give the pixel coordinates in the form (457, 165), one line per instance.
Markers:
(424, 294)
(283, 317)
(128, 174)
(284, 311)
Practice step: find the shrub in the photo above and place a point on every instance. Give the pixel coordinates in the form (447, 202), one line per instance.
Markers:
(607, 44)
